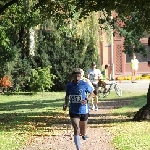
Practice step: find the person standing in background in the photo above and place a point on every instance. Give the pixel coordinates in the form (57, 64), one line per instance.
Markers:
(94, 75)
(134, 67)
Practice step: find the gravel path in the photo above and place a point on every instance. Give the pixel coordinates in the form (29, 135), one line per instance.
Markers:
(141, 85)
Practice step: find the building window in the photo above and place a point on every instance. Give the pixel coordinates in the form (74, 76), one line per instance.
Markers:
(140, 57)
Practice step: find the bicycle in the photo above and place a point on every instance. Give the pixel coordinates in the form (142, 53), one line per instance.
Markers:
(102, 92)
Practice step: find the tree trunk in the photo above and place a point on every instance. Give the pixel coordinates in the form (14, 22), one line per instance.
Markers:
(144, 112)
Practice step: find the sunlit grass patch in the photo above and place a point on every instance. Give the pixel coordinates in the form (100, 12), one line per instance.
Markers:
(131, 136)
(23, 116)
(12, 140)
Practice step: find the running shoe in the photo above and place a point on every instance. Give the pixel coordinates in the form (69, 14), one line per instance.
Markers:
(84, 137)
(96, 108)
(93, 107)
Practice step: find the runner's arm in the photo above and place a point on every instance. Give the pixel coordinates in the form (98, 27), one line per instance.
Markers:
(66, 103)
(90, 96)
(66, 100)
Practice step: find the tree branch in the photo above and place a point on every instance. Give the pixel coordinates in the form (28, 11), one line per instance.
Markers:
(7, 5)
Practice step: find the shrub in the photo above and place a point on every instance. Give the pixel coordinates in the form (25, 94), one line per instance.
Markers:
(120, 78)
(6, 82)
(129, 77)
(41, 80)
(138, 77)
(145, 75)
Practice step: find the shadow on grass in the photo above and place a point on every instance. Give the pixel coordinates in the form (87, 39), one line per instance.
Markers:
(34, 104)
(31, 114)
(40, 114)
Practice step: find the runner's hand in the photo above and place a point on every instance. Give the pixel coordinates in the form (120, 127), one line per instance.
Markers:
(83, 102)
(64, 107)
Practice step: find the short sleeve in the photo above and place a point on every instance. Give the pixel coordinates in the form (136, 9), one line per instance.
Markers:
(89, 89)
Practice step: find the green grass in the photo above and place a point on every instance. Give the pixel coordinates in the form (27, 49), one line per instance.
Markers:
(23, 116)
(130, 135)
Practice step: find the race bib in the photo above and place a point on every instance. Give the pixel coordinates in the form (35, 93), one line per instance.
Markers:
(75, 98)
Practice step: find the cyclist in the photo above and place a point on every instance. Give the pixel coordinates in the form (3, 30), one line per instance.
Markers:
(94, 75)
(76, 94)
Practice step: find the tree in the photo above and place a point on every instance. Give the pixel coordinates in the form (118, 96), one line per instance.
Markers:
(137, 10)
(144, 112)
(79, 38)
(127, 27)
(15, 24)
(67, 46)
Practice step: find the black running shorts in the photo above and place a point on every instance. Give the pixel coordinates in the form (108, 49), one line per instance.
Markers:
(83, 117)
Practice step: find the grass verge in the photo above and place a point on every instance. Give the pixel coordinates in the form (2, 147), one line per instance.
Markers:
(23, 116)
(130, 135)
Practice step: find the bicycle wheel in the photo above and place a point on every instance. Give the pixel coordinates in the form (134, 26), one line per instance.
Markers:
(102, 93)
(118, 90)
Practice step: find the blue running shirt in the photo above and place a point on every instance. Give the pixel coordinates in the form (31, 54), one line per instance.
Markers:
(77, 93)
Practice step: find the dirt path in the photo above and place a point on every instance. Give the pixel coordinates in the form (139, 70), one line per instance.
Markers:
(99, 138)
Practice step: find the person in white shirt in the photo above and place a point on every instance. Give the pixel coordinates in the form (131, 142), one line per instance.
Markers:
(134, 67)
(94, 75)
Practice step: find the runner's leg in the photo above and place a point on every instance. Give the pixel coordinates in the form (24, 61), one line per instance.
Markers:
(133, 75)
(83, 127)
(96, 96)
(75, 124)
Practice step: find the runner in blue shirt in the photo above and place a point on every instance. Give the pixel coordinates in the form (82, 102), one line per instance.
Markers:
(76, 96)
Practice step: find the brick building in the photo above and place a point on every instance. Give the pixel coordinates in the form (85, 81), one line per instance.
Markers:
(118, 61)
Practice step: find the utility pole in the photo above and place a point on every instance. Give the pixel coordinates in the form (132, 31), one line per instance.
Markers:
(112, 51)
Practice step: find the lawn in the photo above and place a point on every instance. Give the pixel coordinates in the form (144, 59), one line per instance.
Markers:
(128, 134)
(22, 116)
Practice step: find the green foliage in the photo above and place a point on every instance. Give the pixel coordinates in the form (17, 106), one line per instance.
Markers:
(128, 27)
(69, 43)
(21, 71)
(65, 51)
(132, 31)
(41, 80)
(14, 39)
(145, 75)
(72, 38)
